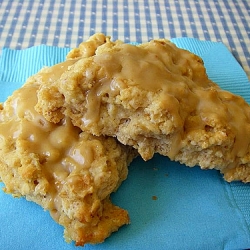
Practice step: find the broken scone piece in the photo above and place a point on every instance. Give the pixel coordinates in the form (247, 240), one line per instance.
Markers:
(68, 172)
(158, 99)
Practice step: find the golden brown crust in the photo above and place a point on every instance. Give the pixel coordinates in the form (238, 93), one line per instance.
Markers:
(156, 98)
(68, 172)
(88, 47)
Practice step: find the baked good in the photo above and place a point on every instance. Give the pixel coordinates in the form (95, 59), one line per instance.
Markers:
(67, 171)
(157, 98)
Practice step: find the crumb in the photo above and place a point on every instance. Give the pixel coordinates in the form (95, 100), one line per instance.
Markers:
(154, 198)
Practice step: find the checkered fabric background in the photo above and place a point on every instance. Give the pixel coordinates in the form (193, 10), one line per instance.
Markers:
(25, 23)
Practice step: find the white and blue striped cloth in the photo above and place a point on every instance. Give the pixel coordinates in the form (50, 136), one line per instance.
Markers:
(25, 23)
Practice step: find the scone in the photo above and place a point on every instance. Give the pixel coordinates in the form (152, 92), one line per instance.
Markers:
(158, 99)
(68, 172)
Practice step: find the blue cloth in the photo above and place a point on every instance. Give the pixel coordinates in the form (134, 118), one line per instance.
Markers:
(171, 206)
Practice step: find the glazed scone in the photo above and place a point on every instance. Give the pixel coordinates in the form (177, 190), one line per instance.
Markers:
(88, 47)
(158, 99)
(68, 172)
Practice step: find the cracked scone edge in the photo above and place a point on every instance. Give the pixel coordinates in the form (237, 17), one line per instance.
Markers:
(68, 172)
(156, 98)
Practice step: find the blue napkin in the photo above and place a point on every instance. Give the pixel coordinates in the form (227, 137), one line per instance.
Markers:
(171, 206)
